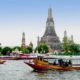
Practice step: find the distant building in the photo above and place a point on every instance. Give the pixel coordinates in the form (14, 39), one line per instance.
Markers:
(65, 33)
(38, 40)
(50, 37)
(23, 44)
(72, 40)
(69, 40)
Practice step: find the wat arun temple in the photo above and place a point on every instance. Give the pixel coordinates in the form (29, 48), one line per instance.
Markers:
(50, 37)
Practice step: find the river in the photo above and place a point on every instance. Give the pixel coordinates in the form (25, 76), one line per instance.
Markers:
(18, 70)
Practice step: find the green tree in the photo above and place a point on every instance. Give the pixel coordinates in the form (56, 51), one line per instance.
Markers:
(0, 49)
(74, 49)
(6, 51)
(27, 50)
(42, 48)
(30, 49)
(24, 50)
(65, 44)
(17, 47)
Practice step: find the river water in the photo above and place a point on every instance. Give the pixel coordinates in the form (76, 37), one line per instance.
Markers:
(18, 70)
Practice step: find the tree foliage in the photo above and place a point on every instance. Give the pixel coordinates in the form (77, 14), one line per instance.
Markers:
(24, 50)
(30, 49)
(70, 48)
(27, 50)
(6, 51)
(0, 49)
(17, 47)
(65, 44)
(74, 49)
(42, 48)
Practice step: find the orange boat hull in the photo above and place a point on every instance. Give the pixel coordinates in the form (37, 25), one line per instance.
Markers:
(37, 67)
(52, 67)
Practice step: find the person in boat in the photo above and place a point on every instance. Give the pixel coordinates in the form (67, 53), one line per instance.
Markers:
(70, 63)
(55, 63)
(64, 63)
(61, 62)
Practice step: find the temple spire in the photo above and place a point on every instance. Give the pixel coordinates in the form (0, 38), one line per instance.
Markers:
(50, 13)
(50, 37)
(65, 33)
(38, 38)
(72, 40)
(23, 40)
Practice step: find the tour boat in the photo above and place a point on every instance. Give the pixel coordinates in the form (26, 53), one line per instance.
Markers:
(66, 64)
(9, 57)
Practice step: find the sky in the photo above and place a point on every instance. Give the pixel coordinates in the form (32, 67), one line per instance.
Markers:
(29, 16)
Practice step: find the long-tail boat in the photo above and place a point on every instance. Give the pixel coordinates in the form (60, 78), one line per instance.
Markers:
(40, 63)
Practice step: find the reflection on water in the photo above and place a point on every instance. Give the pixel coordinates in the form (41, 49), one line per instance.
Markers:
(17, 70)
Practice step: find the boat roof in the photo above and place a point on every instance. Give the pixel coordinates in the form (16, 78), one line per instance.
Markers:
(62, 57)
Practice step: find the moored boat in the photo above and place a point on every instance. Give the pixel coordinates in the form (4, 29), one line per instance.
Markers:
(2, 61)
(9, 57)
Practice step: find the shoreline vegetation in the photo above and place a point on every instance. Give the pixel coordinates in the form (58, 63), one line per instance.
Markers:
(68, 48)
(66, 54)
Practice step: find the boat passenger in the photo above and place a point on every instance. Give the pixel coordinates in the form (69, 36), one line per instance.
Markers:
(70, 63)
(66, 64)
(61, 62)
(54, 63)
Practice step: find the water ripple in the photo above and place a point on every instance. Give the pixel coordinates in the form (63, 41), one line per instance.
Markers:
(17, 70)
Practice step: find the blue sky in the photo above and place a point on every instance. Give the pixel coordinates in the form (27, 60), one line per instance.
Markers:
(29, 16)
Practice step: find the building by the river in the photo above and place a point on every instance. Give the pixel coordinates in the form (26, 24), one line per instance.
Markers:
(23, 44)
(50, 37)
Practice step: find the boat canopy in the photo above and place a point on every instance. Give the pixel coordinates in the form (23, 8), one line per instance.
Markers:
(62, 57)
